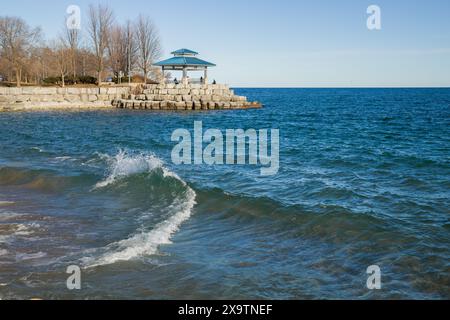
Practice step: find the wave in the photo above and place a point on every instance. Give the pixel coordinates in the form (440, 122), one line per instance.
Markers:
(30, 256)
(10, 231)
(64, 158)
(37, 149)
(328, 223)
(6, 216)
(125, 165)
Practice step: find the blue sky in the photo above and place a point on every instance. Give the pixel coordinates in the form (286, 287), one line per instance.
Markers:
(289, 43)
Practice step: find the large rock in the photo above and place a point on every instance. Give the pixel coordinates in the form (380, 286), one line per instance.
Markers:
(197, 105)
(189, 105)
(181, 105)
(171, 105)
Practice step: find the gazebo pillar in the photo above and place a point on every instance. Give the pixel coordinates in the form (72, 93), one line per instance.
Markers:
(205, 78)
(163, 80)
(185, 78)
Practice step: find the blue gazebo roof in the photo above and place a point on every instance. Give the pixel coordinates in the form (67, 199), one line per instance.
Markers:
(184, 52)
(184, 61)
(184, 58)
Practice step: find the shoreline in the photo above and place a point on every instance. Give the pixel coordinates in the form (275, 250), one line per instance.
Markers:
(82, 108)
(164, 97)
(32, 107)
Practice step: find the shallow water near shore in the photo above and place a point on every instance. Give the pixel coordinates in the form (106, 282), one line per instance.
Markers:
(364, 180)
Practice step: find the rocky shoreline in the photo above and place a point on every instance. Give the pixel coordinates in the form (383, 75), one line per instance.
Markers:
(180, 97)
(50, 98)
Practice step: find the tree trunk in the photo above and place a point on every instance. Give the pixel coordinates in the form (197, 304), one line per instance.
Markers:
(17, 77)
(63, 80)
(74, 65)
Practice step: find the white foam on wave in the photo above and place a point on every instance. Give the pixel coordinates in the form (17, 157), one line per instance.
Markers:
(12, 230)
(37, 149)
(30, 256)
(8, 215)
(169, 174)
(25, 230)
(148, 242)
(124, 164)
(64, 159)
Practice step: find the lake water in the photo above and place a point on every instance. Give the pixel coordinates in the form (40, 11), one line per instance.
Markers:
(364, 180)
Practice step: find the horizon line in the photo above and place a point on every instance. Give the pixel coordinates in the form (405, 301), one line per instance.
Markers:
(339, 87)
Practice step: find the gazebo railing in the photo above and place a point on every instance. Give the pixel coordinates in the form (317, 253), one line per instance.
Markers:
(190, 80)
(197, 81)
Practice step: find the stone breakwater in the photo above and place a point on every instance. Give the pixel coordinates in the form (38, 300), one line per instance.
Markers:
(45, 98)
(148, 97)
(185, 97)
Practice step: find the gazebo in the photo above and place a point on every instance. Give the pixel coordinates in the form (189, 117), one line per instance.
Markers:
(185, 60)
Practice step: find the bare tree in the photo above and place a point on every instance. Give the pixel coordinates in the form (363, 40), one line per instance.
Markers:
(87, 62)
(61, 54)
(127, 47)
(72, 37)
(44, 61)
(122, 49)
(131, 49)
(101, 19)
(117, 51)
(16, 38)
(5, 68)
(148, 43)
(32, 65)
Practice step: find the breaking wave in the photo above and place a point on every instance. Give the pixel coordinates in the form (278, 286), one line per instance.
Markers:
(123, 166)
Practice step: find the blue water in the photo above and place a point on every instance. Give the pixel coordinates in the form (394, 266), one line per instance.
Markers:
(364, 180)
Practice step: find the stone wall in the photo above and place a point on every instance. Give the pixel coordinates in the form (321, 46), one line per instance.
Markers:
(36, 98)
(149, 97)
(184, 97)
